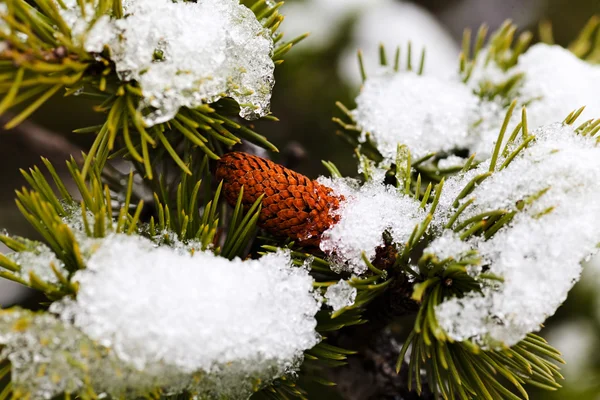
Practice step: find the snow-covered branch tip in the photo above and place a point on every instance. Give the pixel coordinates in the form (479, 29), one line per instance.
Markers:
(157, 89)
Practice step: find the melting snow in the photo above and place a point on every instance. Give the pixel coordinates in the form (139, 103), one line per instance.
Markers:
(540, 252)
(366, 213)
(179, 65)
(340, 295)
(154, 305)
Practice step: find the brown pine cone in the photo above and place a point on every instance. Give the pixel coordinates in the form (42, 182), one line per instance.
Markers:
(293, 205)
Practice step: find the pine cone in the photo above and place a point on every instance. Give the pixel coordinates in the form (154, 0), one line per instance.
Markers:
(293, 205)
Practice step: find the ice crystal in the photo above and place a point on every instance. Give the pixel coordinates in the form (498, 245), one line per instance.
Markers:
(448, 245)
(340, 295)
(39, 261)
(178, 65)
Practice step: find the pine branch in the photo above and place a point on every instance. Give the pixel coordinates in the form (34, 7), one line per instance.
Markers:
(52, 60)
(359, 350)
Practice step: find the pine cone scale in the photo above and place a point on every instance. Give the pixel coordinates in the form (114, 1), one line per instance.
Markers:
(293, 205)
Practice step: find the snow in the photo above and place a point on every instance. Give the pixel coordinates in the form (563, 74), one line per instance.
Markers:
(49, 357)
(5, 28)
(365, 214)
(393, 24)
(10, 292)
(171, 239)
(539, 253)
(160, 310)
(433, 114)
(425, 113)
(390, 22)
(448, 245)
(38, 260)
(555, 83)
(486, 72)
(36, 346)
(229, 57)
(99, 34)
(78, 21)
(562, 81)
(453, 186)
(158, 44)
(490, 116)
(340, 295)
(88, 245)
(74, 217)
(161, 313)
(451, 161)
(87, 30)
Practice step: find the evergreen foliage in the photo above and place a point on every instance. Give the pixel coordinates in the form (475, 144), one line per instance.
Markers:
(172, 161)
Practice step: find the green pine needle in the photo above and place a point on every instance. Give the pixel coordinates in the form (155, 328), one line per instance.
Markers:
(49, 62)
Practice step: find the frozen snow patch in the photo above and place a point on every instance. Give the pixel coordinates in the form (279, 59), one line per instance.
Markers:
(448, 245)
(340, 295)
(540, 252)
(366, 213)
(39, 261)
(158, 308)
(425, 113)
(560, 81)
(159, 44)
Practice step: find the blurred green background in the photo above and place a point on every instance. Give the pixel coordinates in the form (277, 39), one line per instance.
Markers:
(317, 73)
